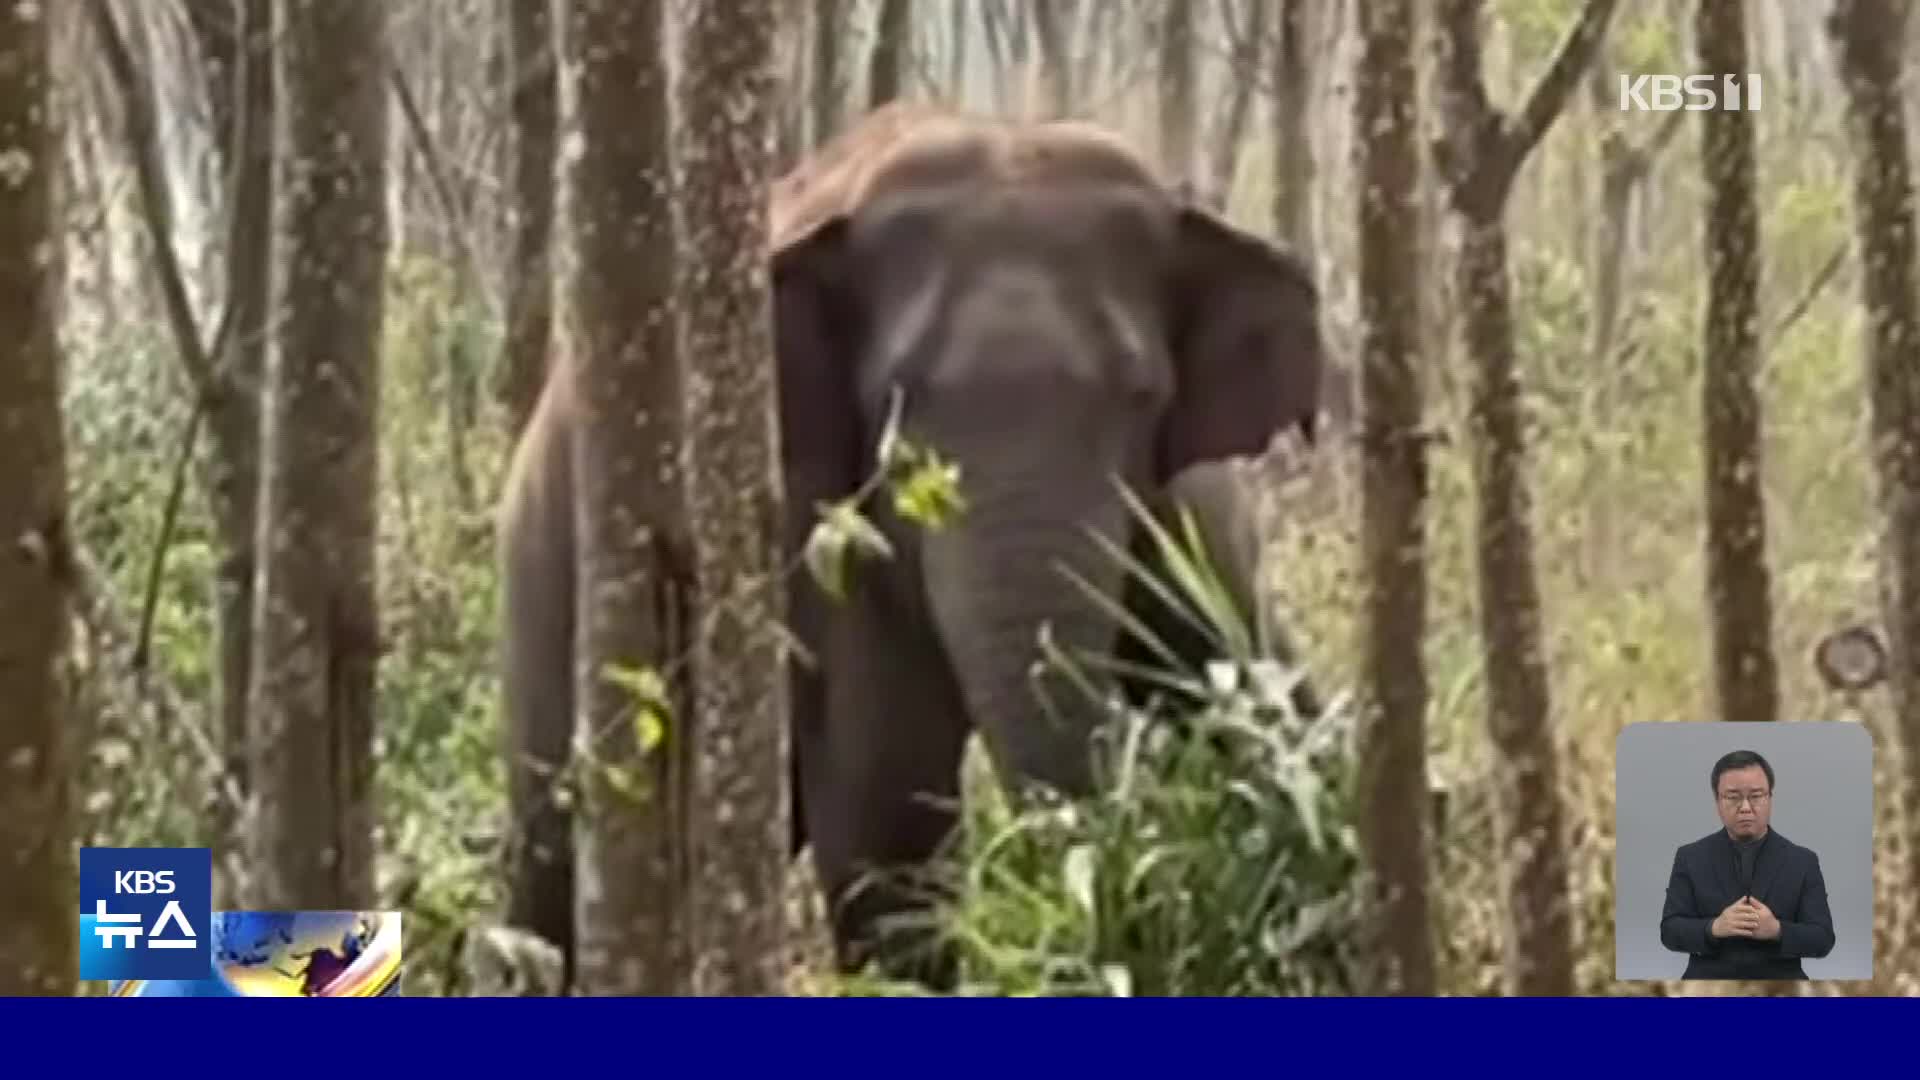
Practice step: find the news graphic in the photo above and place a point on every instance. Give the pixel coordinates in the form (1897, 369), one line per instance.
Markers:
(145, 913)
(291, 954)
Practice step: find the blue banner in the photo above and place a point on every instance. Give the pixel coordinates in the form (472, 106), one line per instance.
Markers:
(545, 1038)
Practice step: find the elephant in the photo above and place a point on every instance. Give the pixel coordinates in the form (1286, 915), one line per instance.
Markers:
(1032, 301)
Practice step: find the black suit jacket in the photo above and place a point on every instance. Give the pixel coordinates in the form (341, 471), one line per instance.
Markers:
(1786, 878)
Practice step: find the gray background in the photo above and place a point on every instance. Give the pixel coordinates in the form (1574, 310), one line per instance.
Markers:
(1823, 799)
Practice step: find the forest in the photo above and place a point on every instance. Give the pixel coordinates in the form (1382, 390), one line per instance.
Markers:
(419, 481)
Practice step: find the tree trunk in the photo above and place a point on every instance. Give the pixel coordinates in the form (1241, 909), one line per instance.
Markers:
(892, 50)
(960, 28)
(39, 921)
(1393, 766)
(1533, 866)
(239, 44)
(1738, 590)
(1292, 136)
(634, 581)
(1481, 154)
(790, 125)
(1176, 90)
(1624, 170)
(829, 27)
(1001, 29)
(1249, 43)
(739, 826)
(1056, 65)
(534, 104)
(317, 627)
(1868, 33)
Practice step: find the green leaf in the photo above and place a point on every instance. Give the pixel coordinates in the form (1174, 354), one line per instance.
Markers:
(862, 535)
(649, 729)
(1077, 872)
(644, 683)
(651, 705)
(841, 528)
(929, 495)
(826, 559)
(624, 782)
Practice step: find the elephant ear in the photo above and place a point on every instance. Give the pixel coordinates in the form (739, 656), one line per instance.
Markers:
(1246, 345)
(815, 336)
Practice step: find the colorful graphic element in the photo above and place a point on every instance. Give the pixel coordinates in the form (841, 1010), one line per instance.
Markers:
(145, 913)
(292, 954)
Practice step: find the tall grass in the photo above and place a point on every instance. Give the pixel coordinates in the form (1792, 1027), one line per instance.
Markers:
(1215, 855)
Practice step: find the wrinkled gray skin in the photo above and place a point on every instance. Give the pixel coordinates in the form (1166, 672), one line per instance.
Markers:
(1056, 321)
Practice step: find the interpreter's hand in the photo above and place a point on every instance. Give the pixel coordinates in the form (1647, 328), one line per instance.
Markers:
(1765, 926)
(1738, 920)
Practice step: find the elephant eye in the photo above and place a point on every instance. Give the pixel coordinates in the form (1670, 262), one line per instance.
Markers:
(1131, 354)
(1142, 377)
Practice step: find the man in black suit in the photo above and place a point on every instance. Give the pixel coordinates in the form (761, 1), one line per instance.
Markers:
(1745, 902)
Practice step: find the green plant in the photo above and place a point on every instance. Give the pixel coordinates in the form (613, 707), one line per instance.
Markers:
(1214, 857)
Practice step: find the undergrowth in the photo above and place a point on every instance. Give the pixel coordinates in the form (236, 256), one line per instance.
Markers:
(1216, 855)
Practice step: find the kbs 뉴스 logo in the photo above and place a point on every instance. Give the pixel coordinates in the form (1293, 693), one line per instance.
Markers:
(145, 913)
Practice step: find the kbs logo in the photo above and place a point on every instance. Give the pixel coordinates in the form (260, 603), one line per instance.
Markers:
(1700, 93)
(145, 913)
(141, 882)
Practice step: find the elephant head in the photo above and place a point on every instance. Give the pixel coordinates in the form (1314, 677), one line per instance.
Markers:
(1058, 322)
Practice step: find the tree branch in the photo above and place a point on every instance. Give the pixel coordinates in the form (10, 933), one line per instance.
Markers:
(1662, 135)
(1815, 286)
(1549, 95)
(422, 139)
(143, 141)
(1460, 153)
(150, 603)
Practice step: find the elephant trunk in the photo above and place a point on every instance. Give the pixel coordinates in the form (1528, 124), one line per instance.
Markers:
(993, 581)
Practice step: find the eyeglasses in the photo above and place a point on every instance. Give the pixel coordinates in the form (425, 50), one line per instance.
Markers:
(1733, 799)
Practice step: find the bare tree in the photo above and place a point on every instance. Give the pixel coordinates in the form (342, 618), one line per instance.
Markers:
(237, 40)
(1293, 149)
(223, 364)
(635, 579)
(1058, 92)
(960, 31)
(739, 818)
(1868, 34)
(829, 93)
(1746, 678)
(1004, 27)
(1479, 157)
(790, 139)
(317, 624)
(39, 924)
(1176, 90)
(892, 49)
(1393, 823)
(1625, 168)
(534, 104)
(1249, 37)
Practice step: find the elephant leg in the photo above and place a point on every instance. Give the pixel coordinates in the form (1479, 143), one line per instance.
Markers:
(806, 701)
(537, 642)
(880, 779)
